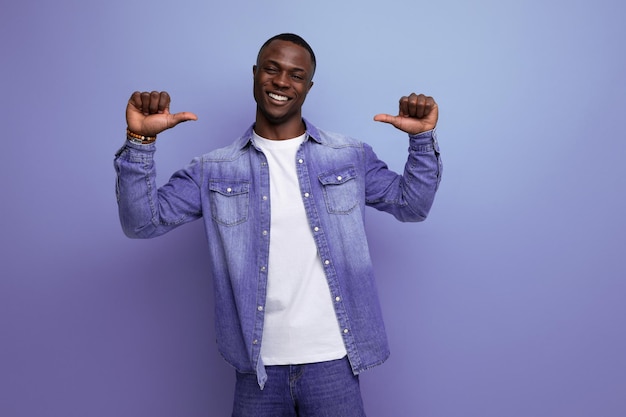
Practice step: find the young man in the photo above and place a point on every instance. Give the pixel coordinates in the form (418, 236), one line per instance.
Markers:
(298, 312)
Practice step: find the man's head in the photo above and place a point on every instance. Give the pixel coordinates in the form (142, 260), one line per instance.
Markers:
(293, 38)
(282, 78)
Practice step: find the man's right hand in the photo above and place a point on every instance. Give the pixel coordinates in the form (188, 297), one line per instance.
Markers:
(148, 114)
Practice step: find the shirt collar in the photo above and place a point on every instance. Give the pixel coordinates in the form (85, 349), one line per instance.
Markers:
(311, 130)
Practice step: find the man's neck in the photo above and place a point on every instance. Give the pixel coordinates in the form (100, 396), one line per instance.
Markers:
(279, 131)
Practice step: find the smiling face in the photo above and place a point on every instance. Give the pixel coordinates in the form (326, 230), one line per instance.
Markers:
(282, 79)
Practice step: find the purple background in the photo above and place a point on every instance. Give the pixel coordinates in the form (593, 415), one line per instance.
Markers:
(507, 301)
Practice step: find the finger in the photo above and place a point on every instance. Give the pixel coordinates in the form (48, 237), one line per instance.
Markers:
(386, 118)
(177, 118)
(417, 105)
(164, 102)
(145, 103)
(135, 100)
(399, 122)
(155, 97)
(404, 106)
(425, 105)
(411, 105)
(420, 102)
(428, 106)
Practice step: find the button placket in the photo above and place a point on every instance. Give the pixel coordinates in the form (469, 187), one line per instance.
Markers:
(264, 228)
(322, 246)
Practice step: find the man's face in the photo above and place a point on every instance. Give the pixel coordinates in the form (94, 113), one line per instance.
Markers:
(282, 79)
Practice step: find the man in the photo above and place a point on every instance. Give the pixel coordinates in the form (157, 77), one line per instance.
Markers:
(298, 313)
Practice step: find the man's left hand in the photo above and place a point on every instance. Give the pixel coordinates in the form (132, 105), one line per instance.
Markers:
(417, 114)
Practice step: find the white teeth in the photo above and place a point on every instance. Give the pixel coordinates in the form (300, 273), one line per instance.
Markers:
(277, 97)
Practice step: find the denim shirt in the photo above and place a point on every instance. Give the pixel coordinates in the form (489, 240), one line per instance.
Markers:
(229, 189)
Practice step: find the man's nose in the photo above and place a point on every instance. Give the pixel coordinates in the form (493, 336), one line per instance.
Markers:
(281, 79)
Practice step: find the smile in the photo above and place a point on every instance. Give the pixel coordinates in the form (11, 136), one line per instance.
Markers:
(278, 97)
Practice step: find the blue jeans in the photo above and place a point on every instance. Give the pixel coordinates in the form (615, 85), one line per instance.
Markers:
(324, 389)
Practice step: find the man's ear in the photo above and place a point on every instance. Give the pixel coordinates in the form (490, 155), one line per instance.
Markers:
(310, 86)
(253, 70)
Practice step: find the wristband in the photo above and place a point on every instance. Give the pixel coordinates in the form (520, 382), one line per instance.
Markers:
(140, 139)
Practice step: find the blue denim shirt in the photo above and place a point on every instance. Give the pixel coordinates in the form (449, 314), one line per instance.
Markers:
(229, 188)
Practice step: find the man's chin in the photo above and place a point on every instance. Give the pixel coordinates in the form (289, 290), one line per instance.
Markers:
(276, 118)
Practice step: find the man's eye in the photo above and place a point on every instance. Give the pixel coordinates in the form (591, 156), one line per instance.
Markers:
(271, 70)
(297, 77)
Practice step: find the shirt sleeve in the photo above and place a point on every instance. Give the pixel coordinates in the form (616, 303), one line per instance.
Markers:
(409, 196)
(145, 210)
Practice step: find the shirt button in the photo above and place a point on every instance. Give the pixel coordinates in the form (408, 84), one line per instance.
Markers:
(306, 195)
(317, 229)
(255, 341)
(300, 161)
(264, 232)
(228, 190)
(326, 262)
(264, 197)
(260, 308)
(339, 178)
(337, 298)
(345, 331)
(262, 268)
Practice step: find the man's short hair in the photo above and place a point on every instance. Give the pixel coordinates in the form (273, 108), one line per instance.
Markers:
(293, 38)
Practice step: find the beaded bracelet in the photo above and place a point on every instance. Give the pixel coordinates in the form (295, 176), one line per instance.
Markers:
(140, 139)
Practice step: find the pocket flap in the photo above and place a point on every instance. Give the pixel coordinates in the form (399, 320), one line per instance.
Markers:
(338, 176)
(226, 187)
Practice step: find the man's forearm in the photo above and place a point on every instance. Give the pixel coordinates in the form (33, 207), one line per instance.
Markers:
(136, 189)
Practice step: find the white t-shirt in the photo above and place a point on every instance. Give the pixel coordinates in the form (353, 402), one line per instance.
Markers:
(300, 324)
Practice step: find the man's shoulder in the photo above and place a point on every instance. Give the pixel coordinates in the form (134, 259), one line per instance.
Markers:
(339, 139)
(229, 152)
(332, 139)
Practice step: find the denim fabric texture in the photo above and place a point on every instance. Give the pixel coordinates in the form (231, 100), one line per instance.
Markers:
(323, 389)
(229, 189)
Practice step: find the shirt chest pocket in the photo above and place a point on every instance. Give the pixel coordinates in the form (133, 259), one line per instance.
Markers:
(340, 190)
(230, 201)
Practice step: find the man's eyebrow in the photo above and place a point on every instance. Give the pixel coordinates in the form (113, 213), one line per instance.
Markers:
(278, 64)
